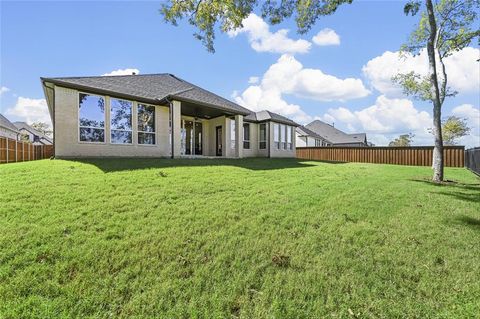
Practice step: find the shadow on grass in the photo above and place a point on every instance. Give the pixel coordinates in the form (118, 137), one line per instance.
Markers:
(469, 221)
(127, 164)
(461, 191)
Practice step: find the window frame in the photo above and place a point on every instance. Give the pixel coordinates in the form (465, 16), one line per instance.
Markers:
(233, 138)
(289, 132)
(131, 119)
(277, 139)
(154, 125)
(78, 119)
(260, 141)
(245, 141)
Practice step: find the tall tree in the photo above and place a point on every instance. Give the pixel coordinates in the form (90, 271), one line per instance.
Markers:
(206, 15)
(444, 28)
(402, 140)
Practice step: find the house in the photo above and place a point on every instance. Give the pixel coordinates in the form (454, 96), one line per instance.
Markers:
(308, 138)
(32, 135)
(7, 129)
(335, 137)
(158, 115)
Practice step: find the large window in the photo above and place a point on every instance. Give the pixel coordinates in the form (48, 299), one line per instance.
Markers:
(283, 136)
(262, 139)
(289, 137)
(232, 134)
(146, 124)
(91, 119)
(276, 135)
(246, 136)
(120, 121)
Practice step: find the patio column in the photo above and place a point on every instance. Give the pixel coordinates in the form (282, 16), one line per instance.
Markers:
(239, 136)
(176, 126)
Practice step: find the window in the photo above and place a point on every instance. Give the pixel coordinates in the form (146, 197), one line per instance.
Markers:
(318, 142)
(283, 136)
(146, 124)
(246, 136)
(232, 134)
(120, 121)
(276, 135)
(289, 137)
(263, 136)
(91, 119)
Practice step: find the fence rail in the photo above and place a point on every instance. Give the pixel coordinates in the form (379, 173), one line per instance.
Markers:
(472, 159)
(415, 155)
(17, 151)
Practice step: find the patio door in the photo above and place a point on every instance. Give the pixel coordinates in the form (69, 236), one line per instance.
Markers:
(218, 141)
(191, 137)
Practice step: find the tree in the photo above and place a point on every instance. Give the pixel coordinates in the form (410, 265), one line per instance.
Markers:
(454, 128)
(43, 128)
(205, 15)
(443, 28)
(402, 140)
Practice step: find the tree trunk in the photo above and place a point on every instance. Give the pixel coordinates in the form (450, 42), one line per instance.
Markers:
(437, 161)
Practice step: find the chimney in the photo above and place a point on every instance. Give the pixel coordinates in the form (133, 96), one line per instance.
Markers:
(133, 73)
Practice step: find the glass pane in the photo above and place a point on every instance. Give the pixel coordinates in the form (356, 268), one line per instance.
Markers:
(289, 134)
(91, 110)
(246, 132)
(188, 137)
(198, 138)
(246, 145)
(146, 118)
(146, 138)
(263, 145)
(276, 132)
(121, 114)
(92, 135)
(121, 137)
(232, 134)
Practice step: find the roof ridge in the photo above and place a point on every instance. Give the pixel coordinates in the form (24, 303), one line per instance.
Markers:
(109, 76)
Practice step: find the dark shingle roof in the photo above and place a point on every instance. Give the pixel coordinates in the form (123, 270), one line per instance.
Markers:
(4, 122)
(305, 131)
(152, 87)
(334, 135)
(269, 116)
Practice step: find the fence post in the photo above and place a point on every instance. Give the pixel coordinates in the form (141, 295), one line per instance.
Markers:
(16, 157)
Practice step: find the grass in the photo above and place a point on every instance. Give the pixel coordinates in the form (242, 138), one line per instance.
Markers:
(253, 238)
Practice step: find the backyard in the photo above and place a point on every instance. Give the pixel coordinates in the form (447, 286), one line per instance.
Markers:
(252, 238)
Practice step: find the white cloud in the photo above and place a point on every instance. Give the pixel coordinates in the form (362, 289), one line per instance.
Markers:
(326, 37)
(262, 40)
(472, 115)
(462, 69)
(288, 77)
(30, 110)
(253, 80)
(4, 89)
(122, 72)
(384, 120)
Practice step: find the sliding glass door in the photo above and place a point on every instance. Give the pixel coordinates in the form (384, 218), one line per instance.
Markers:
(192, 135)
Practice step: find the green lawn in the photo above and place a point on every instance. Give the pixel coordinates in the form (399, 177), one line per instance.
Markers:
(253, 238)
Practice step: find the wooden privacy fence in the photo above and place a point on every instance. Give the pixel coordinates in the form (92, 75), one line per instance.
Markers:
(413, 155)
(16, 151)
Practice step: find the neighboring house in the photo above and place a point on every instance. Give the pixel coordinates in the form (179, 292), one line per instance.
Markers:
(158, 115)
(7, 129)
(308, 138)
(28, 133)
(337, 137)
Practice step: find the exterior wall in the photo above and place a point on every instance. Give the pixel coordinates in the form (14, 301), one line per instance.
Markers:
(301, 141)
(67, 142)
(253, 151)
(274, 152)
(210, 136)
(5, 132)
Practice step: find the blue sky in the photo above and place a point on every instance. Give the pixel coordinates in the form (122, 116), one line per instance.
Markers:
(56, 38)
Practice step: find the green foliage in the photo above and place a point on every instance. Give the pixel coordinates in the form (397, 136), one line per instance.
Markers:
(454, 128)
(403, 140)
(42, 127)
(457, 27)
(206, 16)
(249, 238)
